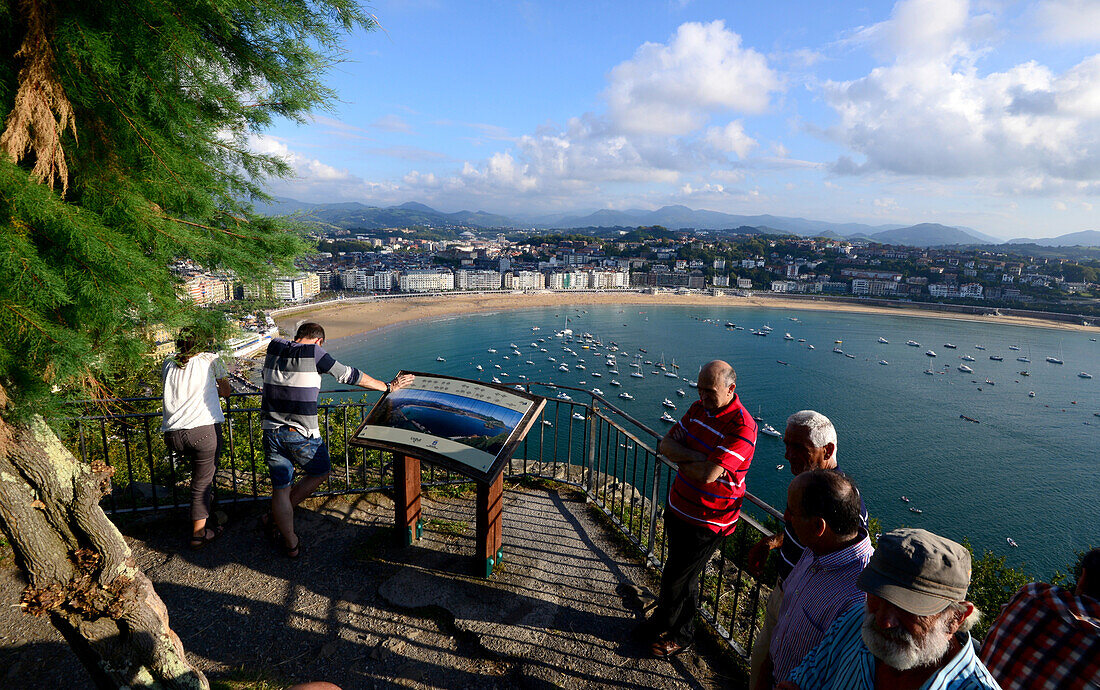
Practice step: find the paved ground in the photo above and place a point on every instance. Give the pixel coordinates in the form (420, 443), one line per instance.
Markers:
(360, 612)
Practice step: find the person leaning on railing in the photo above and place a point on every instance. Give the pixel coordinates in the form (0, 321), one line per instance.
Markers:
(291, 433)
(192, 423)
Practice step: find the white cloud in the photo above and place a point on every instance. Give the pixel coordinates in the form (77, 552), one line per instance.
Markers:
(731, 139)
(392, 123)
(933, 113)
(1069, 21)
(673, 88)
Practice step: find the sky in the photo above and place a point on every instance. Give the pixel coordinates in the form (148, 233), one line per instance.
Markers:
(983, 113)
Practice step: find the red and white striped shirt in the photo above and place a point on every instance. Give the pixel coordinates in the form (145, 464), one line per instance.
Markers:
(728, 438)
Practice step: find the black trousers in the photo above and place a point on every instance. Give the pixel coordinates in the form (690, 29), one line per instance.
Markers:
(201, 445)
(689, 549)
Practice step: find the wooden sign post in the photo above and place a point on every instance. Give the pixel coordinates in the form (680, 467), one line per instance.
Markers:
(468, 427)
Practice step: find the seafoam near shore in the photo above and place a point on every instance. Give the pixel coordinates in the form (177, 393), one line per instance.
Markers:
(357, 318)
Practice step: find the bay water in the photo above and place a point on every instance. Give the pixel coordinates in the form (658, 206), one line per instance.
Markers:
(1028, 468)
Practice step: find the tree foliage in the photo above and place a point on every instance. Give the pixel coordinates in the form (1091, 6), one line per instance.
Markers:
(125, 148)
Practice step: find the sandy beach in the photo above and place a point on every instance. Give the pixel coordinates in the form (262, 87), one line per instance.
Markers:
(357, 318)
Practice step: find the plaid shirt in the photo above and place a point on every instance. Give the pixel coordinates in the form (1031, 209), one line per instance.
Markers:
(1046, 637)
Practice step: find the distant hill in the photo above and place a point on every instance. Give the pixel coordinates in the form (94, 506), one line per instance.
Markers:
(1085, 238)
(348, 215)
(927, 235)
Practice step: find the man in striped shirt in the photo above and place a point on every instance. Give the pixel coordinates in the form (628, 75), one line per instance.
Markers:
(913, 632)
(288, 414)
(823, 508)
(1048, 636)
(712, 447)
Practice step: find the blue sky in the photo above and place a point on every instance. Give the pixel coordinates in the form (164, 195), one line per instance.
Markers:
(984, 114)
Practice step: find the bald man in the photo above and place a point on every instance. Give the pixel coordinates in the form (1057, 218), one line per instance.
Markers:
(712, 447)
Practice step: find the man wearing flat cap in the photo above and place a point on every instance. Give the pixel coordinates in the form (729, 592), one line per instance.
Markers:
(913, 632)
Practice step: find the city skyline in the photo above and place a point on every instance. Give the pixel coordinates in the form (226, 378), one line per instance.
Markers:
(977, 114)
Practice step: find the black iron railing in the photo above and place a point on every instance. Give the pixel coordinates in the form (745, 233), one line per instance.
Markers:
(587, 443)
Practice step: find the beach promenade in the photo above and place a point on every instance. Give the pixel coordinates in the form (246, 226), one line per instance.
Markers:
(362, 613)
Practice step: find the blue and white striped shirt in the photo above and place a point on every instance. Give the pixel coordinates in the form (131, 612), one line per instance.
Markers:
(842, 662)
(816, 592)
(292, 382)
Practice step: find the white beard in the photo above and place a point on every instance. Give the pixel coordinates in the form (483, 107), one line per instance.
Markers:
(901, 650)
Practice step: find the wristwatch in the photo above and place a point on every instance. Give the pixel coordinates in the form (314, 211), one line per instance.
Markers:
(389, 387)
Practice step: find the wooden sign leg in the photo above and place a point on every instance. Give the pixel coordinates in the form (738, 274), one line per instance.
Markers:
(489, 509)
(406, 499)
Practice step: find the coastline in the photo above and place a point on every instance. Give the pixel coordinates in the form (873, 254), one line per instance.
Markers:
(360, 318)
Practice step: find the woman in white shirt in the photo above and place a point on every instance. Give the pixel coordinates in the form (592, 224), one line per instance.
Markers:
(192, 424)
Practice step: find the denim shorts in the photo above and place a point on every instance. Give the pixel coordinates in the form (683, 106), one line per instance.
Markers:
(286, 447)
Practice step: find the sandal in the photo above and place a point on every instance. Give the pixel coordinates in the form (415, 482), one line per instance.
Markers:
(293, 552)
(209, 534)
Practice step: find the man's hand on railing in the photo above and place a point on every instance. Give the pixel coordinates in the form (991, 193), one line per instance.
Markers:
(758, 554)
(401, 381)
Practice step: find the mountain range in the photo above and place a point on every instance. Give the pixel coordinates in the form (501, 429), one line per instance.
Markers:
(349, 215)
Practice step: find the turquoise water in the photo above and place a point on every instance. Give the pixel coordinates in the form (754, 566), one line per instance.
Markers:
(1029, 470)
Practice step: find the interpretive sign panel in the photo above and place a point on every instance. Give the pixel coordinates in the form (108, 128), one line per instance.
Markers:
(469, 426)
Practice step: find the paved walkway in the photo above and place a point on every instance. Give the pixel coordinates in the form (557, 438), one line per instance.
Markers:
(362, 613)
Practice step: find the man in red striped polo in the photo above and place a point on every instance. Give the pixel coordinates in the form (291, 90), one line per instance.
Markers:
(712, 447)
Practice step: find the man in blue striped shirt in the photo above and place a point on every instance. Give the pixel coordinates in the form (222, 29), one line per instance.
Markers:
(913, 632)
(823, 508)
(288, 413)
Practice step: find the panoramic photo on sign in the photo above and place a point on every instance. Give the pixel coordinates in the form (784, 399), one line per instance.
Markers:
(470, 426)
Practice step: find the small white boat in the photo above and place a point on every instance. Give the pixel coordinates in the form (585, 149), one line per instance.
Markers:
(626, 396)
(788, 336)
(929, 371)
(578, 415)
(479, 368)
(965, 369)
(597, 374)
(497, 366)
(779, 467)
(849, 355)
(1025, 360)
(1013, 347)
(492, 350)
(1011, 542)
(528, 362)
(811, 347)
(949, 346)
(1031, 394)
(884, 341)
(1055, 360)
(513, 345)
(580, 366)
(671, 375)
(669, 404)
(930, 353)
(883, 362)
(496, 380)
(905, 498)
(979, 347)
(637, 374)
(666, 417)
(912, 343)
(1084, 375)
(597, 391)
(613, 382)
(680, 392)
(996, 358)
(769, 430)
(562, 395)
(916, 510)
(547, 422)
(440, 359)
(967, 358)
(563, 367)
(551, 359)
(801, 340)
(838, 350)
(693, 384)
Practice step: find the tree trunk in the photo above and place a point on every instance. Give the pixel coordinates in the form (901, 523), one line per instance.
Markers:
(81, 572)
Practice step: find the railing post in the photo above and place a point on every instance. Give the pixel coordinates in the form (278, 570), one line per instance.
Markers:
(592, 452)
(654, 493)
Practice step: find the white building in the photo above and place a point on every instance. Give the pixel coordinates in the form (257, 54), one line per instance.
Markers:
(477, 280)
(744, 283)
(295, 288)
(379, 281)
(972, 290)
(524, 280)
(567, 280)
(427, 280)
(608, 280)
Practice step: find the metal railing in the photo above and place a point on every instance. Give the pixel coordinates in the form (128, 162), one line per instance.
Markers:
(593, 446)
